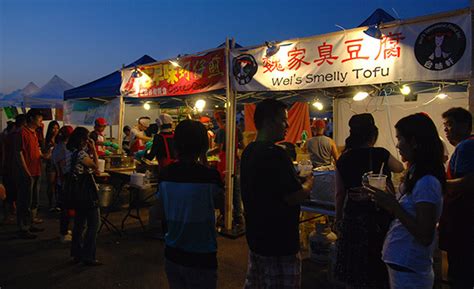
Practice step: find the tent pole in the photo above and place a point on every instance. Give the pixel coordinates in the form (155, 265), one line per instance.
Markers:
(470, 87)
(120, 124)
(230, 142)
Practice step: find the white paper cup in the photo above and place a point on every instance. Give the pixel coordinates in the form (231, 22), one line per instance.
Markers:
(378, 181)
(101, 165)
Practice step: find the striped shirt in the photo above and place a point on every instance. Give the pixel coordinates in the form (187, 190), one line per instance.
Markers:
(189, 192)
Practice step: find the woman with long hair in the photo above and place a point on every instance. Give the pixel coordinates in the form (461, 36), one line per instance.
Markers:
(50, 142)
(84, 162)
(409, 245)
(361, 227)
(60, 158)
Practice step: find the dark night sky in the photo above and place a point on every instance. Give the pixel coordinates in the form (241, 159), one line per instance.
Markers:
(81, 40)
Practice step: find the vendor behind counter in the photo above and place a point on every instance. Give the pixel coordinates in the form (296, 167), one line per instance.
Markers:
(102, 146)
(163, 142)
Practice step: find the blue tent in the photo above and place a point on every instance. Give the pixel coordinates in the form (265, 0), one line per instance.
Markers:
(379, 16)
(107, 86)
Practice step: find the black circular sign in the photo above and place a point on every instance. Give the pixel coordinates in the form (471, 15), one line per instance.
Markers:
(440, 46)
(244, 68)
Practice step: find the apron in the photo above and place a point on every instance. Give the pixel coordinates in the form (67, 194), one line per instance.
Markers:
(100, 148)
(163, 162)
(137, 145)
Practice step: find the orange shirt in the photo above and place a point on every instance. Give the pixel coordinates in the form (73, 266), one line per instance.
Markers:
(31, 151)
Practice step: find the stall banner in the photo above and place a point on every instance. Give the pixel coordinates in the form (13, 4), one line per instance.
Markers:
(432, 49)
(195, 74)
(79, 112)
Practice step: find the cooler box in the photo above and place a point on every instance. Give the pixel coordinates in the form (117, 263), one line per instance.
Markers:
(324, 188)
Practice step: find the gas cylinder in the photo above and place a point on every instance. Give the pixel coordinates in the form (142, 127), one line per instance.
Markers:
(320, 242)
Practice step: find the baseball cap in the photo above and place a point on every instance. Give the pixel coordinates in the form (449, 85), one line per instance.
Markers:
(100, 121)
(204, 119)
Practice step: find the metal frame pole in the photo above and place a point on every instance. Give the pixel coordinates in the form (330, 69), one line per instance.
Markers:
(230, 142)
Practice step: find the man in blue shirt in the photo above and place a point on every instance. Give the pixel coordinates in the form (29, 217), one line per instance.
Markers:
(457, 220)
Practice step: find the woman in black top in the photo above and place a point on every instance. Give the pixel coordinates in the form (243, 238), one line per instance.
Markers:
(84, 161)
(50, 142)
(361, 226)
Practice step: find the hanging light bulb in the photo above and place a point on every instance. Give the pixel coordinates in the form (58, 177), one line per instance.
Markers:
(136, 73)
(441, 94)
(272, 48)
(175, 62)
(318, 105)
(374, 31)
(199, 105)
(405, 90)
(146, 106)
(361, 95)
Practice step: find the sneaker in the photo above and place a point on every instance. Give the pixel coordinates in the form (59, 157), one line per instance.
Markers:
(26, 235)
(52, 210)
(37, 221)
(65, 239)
(58, 209)
(34, 229)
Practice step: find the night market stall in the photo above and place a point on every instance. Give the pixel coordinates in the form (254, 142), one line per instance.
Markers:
(420, 64)
(190, 81)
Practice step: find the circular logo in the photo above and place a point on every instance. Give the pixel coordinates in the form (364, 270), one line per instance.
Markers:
(244, 68)
(440, 46)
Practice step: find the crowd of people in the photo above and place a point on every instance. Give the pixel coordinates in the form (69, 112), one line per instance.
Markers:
(386, 235)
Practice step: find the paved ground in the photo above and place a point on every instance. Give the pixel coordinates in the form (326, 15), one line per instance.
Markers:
(131, 261)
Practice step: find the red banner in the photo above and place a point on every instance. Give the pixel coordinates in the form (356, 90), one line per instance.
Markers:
(187, 75)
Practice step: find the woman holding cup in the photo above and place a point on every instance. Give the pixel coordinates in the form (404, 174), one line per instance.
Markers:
(409, 245)
(360, 225)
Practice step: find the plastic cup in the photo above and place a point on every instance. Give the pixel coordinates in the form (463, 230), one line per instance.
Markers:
(378, 181)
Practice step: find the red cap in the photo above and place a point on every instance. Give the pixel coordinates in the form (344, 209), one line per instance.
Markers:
(66, 130)
(100, 122)
(204, 119)
(319, 123)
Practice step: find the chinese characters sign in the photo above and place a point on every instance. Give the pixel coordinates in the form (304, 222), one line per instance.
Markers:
(193, 74)
(428, 50)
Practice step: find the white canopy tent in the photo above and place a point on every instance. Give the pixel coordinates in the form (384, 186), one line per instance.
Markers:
(48, 96)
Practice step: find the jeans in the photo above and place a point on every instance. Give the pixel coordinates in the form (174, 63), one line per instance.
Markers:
(27, 201)
(181, 277)
(64, 218)
(83, 246)
(410, 280)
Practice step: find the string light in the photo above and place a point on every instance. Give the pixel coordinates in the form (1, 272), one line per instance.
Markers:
(405, 90)
(318, 105)
(361, 95)
(199, 105)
